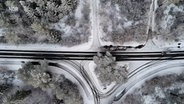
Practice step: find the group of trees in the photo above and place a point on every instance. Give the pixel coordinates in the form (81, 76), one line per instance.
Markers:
(108, 70)
(36, 75)
(124, 20)
(27, 21)
(39, 76)
(175, 1)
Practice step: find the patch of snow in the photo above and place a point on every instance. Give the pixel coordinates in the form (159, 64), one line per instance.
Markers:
(84, 46)
(128, 24)
(169, 19)
(67, 30)
(149, 100)
(17, 82)
(159, 92)
(117, 7)
(13, 9)
(1, 32)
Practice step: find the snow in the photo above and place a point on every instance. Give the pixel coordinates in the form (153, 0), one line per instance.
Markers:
(45, 47)
(1, 30)
(78, 13)
(13, 9)
(168, 19)
(159, 92)
(149, 100)
(128, 24)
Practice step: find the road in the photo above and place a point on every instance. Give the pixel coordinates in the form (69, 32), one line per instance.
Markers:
(72, 68)
(95, 23)
(146, 71)
(69, 55)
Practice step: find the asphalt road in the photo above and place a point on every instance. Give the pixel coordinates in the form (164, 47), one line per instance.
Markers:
(69, 55)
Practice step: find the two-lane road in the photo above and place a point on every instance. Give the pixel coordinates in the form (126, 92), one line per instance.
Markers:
(87, 55)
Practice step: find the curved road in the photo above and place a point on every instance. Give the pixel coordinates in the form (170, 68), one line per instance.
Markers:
(144, 72)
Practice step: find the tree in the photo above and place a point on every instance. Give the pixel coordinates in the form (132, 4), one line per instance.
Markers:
(107, 69)
(36, 75)
(39, 28)
(11, 37)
